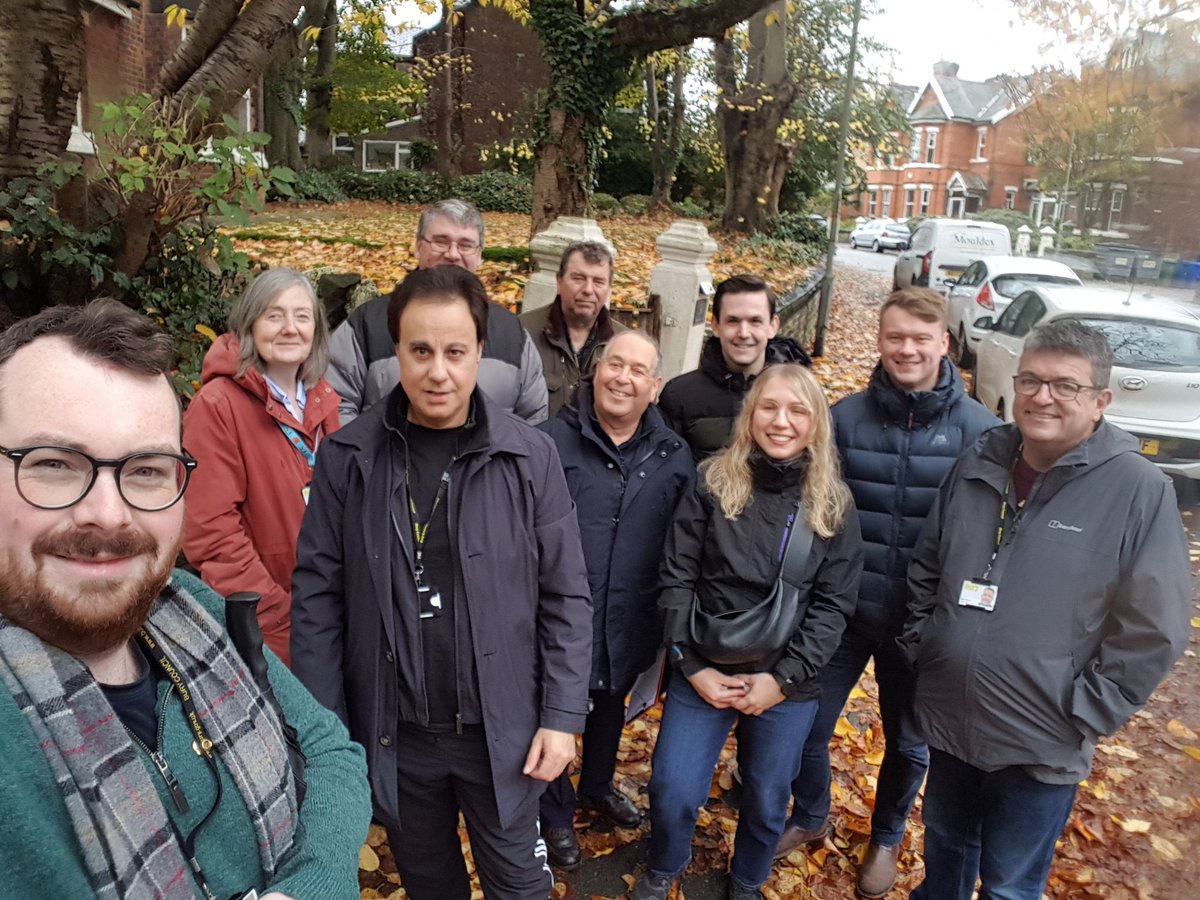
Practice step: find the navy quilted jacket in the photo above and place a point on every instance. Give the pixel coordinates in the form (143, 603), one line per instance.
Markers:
(896, 447)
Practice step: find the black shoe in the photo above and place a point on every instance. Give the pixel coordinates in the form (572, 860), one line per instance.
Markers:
(615, 807)
(740, 893)
(653, 887)
(562, 846)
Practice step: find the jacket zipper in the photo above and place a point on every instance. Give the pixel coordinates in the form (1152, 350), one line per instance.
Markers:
(160, 760)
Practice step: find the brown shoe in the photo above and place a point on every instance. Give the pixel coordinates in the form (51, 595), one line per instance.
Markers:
(794, 836)
(878, 871)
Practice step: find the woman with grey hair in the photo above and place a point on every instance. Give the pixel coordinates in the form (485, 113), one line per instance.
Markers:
(255, 427)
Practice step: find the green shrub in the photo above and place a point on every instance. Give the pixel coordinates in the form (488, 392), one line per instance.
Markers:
(395, 186)
(690, 209)
(799, 227)
(314, 184)
(783, 251)
(495, 191)
(637, 204)
(422, 153)
(605, 204)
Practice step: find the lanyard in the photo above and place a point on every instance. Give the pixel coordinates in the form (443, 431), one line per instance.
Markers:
(204, 747)
(420, 531)
(296, 440)
(1008, 486)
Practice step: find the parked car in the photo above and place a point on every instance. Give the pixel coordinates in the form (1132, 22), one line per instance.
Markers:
(1156, 371)
(867, 234)
(986, 288)
(941, 249)
(894, 236)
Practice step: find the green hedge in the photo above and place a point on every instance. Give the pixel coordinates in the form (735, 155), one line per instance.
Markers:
(396, 186)
(495, 191)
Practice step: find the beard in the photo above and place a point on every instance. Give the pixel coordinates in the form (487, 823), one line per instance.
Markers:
(97, 615)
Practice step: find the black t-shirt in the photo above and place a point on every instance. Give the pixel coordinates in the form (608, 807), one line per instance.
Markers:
(450, 683)
(136, 704)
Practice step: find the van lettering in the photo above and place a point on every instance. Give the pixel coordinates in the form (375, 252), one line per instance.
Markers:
(974, 240)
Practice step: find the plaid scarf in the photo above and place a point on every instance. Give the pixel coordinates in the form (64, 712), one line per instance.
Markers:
(108, 790)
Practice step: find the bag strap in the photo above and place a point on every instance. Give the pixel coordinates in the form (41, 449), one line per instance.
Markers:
(799, 545)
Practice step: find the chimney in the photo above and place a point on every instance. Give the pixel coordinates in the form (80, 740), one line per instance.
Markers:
(945, 69)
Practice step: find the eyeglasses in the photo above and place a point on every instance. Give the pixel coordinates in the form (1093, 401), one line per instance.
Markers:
(443, 245)
(1029, 385)
(59, 477)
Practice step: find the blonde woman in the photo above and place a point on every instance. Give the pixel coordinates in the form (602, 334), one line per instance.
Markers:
(724, 552)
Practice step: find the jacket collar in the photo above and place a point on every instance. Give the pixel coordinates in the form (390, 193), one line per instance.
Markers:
(919, 407)
(583, 418)
(556, 332)
(780, 349)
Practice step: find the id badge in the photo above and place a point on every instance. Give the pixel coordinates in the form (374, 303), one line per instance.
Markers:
(304, 492)
(430, 601)
(979, 594)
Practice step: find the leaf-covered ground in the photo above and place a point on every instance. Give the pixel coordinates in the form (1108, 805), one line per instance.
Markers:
(1135, 830)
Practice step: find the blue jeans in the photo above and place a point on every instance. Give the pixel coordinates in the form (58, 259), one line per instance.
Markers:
(1000, 826)
(905, 758)
(689, 743)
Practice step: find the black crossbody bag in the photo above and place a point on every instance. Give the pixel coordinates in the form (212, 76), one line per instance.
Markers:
(746, 635)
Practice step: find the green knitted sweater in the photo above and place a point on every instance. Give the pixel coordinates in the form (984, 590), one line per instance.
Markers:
(40, 855)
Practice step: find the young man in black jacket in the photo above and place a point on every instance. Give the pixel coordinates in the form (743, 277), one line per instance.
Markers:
(701, 405)
(896, 440)
(626, 471)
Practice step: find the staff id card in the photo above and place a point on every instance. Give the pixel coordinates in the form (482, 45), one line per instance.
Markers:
(979, 594)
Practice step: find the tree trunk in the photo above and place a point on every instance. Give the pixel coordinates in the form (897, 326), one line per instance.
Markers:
(560, 174)
(318, 146)
(281, 106)
(448, 144)
(41, 72)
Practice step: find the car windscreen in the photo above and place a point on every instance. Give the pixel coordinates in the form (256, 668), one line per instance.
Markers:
(1012, 284)
(1145, 344)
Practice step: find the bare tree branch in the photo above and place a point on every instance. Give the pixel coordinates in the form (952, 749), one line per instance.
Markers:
(648, 30)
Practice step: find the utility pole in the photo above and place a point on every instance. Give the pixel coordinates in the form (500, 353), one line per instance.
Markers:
(834, 217)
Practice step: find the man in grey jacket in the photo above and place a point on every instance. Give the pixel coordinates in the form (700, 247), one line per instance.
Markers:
(362, 357)
(1050, 595)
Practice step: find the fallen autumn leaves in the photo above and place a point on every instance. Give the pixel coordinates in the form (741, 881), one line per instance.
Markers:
(1136, 824)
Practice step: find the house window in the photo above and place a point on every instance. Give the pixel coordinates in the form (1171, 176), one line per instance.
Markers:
(981, 142)
(380, 156)
(910, 201)
(915, 150)
(872, 199)
(1092, 198)
(1116, 204)
(343, 143)
(1010, 198)
(891, 160)
(885, 208)
(80, 140)
(925, 198)
(930, 145)
(244, 112)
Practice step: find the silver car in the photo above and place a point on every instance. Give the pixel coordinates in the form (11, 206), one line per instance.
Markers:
(1156, 371)
(986, 288)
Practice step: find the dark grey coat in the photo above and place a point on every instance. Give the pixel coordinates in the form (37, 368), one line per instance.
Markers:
(355, 633)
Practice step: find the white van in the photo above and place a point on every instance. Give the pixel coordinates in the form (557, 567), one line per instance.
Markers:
(942, 248)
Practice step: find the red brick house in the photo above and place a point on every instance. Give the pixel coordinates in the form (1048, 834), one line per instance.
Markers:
(966, 152)
(498, 68)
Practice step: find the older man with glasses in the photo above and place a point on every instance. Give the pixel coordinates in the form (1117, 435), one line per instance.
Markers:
(362, 357)
(139, 759)
(1050, 595)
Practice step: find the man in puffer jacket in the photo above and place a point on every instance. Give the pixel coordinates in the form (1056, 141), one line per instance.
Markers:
(897, 440)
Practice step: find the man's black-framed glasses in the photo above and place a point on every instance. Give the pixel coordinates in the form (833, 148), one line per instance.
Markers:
(443, 244)
(1029, 385)
(59, 477)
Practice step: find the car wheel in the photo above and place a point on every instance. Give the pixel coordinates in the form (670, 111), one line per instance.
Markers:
(960, 350)
(853, 246)
(876, 247)
(973, 393)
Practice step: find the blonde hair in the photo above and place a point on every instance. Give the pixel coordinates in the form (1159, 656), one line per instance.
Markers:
(826, 498)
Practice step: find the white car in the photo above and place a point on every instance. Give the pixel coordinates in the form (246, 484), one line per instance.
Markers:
(986, 288)
(941, 249)
(1156, 371)
(867, 234)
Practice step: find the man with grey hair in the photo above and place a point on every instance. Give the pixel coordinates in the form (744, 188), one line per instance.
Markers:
(568, 331)
(1050, 595)
(363, 365)
(625, 471)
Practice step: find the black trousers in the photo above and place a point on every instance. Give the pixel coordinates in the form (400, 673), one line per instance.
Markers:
(438, 776)
(601, 738)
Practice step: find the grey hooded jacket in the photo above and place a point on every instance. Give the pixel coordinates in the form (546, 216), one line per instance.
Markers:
(1091, 611)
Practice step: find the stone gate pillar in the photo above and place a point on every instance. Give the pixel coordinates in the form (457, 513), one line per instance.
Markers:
(546, 249)
(684, 285)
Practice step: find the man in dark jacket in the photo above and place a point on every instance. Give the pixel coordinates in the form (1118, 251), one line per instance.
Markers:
(440, 604)
(897, 439)
(701, 405)
(362, 358)
(625, 470)
(1079, 539)
(568, 332)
